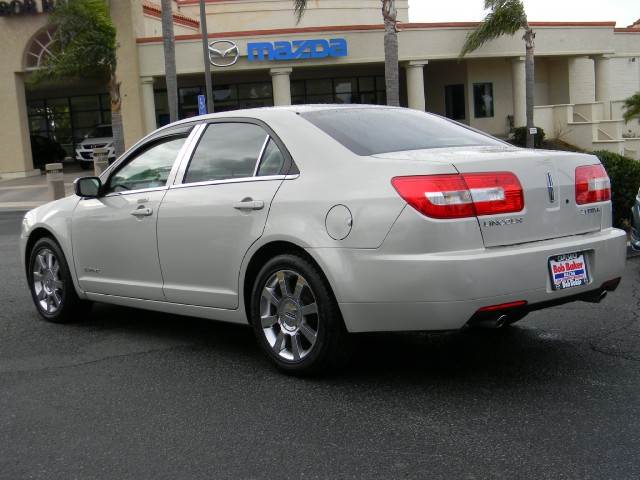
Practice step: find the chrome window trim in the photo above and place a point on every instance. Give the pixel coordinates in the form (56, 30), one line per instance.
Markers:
(260, 155)
(234, 180)
(172, 174)
(132, 192)
(197, 132)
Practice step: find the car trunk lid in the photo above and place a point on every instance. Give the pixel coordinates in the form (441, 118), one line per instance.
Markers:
(548, 183)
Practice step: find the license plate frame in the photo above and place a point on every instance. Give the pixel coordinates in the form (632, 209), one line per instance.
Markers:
(568, 270)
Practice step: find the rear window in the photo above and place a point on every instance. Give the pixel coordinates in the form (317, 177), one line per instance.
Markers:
(370, 131)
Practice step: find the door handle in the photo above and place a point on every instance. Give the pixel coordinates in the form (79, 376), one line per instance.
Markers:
(142, 212)
(249, 205)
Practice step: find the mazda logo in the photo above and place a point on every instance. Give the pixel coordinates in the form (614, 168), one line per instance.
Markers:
(223, 53)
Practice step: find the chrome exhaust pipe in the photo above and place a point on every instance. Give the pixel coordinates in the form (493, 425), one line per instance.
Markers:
(597, 297)
(494, 322)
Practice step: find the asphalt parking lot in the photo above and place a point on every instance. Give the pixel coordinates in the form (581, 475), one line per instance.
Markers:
(132, 394)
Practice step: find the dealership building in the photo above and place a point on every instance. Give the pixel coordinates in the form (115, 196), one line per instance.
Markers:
(263, 57)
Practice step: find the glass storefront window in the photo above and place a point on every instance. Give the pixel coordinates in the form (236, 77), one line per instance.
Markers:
(255, 91)
(67, 120)
(89, 102)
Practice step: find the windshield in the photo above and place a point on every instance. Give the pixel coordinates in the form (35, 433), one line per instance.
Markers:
(370, 131)
(101, 131)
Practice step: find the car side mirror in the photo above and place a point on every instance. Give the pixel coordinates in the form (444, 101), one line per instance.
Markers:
(87, 187)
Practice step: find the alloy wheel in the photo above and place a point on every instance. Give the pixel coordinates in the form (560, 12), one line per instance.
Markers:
(289, 315)
(47, 284)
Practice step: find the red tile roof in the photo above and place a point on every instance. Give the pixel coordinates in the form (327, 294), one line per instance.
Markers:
(155, 10)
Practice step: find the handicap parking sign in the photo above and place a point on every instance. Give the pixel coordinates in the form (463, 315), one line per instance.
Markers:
(202, 105)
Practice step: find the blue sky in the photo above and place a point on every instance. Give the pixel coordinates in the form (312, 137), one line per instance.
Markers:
(624, 12)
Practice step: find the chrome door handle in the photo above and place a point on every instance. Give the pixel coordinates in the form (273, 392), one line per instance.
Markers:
(142, 212)
(249, 205)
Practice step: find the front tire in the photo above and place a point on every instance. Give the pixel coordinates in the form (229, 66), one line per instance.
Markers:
(295, 317)
(51, 286)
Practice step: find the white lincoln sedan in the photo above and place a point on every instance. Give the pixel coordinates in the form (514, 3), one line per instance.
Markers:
(311, 223)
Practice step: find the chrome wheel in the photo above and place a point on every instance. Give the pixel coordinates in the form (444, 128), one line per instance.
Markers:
(289, 315)
(47, 284)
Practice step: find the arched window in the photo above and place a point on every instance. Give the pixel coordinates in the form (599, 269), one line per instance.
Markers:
(40, 47)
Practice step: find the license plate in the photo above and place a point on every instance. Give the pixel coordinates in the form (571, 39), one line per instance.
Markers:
(568, 271)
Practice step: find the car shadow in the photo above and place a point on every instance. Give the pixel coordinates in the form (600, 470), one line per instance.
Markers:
(514, 355)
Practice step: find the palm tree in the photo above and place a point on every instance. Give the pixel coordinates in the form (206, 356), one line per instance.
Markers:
(169, 43)
(391, 70)
(506, 17)
(81, 52)
(632, 108)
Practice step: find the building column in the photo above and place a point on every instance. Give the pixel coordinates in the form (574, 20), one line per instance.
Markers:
(17, 161)
(281, 81)
(603, 79)
(582, 81)
(519, 87)
(148, 104)
(126, 16)
(415, 85)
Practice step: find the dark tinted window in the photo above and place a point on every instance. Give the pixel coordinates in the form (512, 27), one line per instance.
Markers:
(272, 160)
(226, 151)
(369, 131)
(483, 100)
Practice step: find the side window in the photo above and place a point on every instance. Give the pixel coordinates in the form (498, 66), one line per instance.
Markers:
(149, 169)
(272, 160)
(226, 151)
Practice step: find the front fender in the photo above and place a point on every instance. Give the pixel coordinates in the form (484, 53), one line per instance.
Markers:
(55, 218)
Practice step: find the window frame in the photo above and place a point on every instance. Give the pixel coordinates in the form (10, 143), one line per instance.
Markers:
(288, 168)
(493, 100)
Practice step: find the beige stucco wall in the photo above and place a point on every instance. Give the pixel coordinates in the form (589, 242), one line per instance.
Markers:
(127, 16)
(498, 72)
(439, 74)
(625, 76)
(237, 15)
(152, 27)
(15, 155)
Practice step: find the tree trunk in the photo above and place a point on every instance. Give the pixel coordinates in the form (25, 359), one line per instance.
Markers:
(529, 38)
(391, 70)
(116, 114)
(168, 39)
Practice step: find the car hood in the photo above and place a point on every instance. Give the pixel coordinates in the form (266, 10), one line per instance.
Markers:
(91, 141)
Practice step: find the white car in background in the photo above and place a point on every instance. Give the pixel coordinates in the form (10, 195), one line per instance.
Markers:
(100, 137)
(312, 222)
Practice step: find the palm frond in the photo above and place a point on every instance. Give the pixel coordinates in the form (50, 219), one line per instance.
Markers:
(299, 7)
(505, 18)
(632, 108)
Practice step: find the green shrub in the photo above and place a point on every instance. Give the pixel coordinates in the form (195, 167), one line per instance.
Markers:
(624, 173)
(520, 137)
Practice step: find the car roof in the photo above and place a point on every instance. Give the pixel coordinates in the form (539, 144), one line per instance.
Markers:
(265, 113)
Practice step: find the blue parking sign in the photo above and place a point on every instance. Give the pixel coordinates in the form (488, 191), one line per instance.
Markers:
(202, 105)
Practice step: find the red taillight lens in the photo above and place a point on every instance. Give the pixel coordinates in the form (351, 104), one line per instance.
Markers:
(592, 184)
(495, 193)
(436, 196)
(460, 196)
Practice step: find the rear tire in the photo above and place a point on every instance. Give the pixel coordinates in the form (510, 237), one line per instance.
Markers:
(51, 285)
(296, 319)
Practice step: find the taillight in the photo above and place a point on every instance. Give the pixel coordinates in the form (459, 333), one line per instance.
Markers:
(592, 184)
(462, 195)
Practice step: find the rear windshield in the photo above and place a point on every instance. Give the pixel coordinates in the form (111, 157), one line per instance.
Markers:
(370, 131)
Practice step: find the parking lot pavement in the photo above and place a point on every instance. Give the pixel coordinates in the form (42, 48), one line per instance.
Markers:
(131, 394)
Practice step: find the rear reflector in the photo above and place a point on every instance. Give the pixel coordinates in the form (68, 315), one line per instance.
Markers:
(503, 306)
(462, 195)
(592, 184)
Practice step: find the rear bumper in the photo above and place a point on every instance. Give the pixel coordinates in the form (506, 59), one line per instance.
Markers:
(382, 291)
